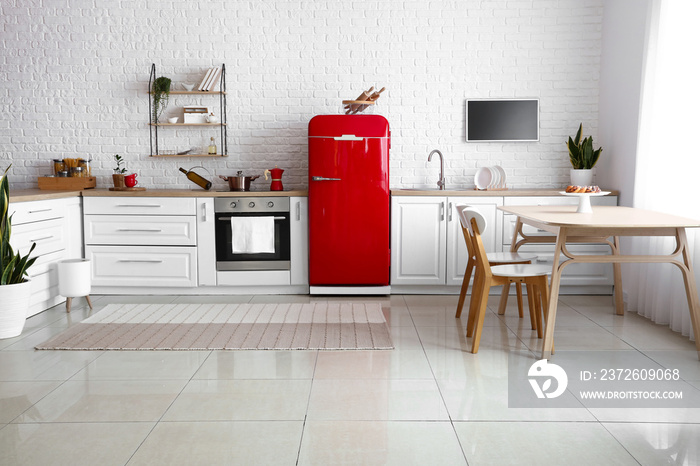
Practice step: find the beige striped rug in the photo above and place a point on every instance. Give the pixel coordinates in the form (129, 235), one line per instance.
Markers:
(321, 325)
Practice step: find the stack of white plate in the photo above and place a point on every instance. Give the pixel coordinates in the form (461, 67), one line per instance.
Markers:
(490, 178)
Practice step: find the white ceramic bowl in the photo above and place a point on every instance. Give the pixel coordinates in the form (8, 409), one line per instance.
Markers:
(213, 119)
(172, 120)
(187, 86)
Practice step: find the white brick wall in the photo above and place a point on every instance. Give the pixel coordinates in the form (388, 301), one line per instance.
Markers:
(74, 76)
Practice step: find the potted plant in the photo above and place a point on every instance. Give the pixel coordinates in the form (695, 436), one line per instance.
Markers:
(118, 175)
(14, 286)
(583, 158)
(161, 94)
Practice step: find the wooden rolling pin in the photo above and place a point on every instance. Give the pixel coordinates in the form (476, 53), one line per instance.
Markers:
(354, 108)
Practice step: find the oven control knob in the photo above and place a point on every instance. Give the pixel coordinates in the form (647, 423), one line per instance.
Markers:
(270, 204)
(251, 204)
(233, 205)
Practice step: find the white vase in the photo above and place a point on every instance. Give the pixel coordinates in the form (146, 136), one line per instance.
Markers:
(13, 311)
(581, 177)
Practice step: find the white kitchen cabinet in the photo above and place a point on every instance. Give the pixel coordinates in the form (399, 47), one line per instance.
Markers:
(299, 238)
(427, 245)
(55, 226)
(418, 240)
(206, 242)
(141, 241)
(140, 266)
(428, 254)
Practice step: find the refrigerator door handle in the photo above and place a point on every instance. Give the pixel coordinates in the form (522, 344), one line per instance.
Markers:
(322, 178)
(348, 137)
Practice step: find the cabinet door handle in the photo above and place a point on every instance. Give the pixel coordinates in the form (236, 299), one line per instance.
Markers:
(449, 215)
(204, 211)
(138, 205)
(298, 211)
(151, 230)
(40, 210)
(442, 211)
(154, 261)
(41, 239)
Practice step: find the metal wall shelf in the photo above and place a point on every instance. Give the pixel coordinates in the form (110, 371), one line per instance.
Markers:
(222, 125)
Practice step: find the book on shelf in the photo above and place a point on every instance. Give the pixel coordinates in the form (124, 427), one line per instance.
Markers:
(213, 79)
(202, 86)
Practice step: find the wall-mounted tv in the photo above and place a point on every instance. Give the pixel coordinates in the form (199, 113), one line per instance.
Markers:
(503, 120)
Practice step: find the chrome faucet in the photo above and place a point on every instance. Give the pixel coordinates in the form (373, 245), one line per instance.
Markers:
(441, 181)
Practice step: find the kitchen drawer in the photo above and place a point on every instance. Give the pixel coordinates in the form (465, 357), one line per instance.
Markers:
(143, 266)
(131, 229)
(556, 200)
(35, 211)
(139, 205)
(49, 236)
(46, 261)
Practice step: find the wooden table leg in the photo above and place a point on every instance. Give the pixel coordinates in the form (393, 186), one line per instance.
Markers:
(553, 296)
(617, 280)
(691, 289)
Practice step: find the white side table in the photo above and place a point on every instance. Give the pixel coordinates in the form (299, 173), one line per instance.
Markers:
(74, 280)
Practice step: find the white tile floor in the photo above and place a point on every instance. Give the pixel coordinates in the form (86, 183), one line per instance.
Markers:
(428, 402)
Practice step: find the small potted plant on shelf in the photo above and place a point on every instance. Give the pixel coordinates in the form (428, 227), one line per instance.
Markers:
(583, 158)
(118, 175)
(14, 286)
(161, 94)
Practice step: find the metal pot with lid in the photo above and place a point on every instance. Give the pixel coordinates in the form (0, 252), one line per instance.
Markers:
(239, 182)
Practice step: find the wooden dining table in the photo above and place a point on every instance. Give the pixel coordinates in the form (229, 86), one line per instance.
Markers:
(605, 224)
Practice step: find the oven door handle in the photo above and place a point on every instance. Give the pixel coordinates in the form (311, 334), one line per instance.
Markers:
(229, 218)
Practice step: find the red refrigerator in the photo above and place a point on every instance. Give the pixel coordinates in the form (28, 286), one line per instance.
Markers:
(349, 202)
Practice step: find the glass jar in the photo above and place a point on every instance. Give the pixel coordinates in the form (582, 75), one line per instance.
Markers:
(57, 166)
(76, 172)
(84, 164)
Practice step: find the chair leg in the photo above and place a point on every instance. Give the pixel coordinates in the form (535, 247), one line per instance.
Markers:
(88, 300)
(68, 303)
(475, 302)
(519, 293)
(479, 324)
(465, 286)
(504, 299)
(531, 305)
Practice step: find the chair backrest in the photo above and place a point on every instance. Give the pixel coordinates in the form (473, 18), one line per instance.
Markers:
(473, 224)
(466, 213)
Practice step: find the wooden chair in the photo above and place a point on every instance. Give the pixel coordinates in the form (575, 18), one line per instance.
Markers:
(495, 258)
(486, 276)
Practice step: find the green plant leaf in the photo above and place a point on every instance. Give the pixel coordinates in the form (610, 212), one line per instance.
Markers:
(578, 134)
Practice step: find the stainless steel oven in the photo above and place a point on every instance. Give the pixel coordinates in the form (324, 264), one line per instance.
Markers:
(228, 208)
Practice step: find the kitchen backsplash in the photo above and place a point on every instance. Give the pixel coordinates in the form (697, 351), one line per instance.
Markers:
(75, 78)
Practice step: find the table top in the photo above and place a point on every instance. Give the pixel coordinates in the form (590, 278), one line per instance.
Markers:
(601, 217)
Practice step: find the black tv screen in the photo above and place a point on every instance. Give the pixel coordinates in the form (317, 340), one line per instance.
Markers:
(503, 120)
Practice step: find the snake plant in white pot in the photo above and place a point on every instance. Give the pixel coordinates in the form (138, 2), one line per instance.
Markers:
(583, 158)
(14, 285)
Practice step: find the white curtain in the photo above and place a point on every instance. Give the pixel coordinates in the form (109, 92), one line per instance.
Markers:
(667, 177)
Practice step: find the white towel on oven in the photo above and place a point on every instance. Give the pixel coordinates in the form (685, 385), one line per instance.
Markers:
(251, 235)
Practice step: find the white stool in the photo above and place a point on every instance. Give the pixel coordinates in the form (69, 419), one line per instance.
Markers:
(74, 280)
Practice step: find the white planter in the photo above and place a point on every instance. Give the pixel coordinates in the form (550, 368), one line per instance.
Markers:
(13, 310)
(581, 177)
